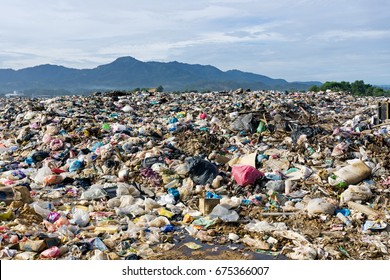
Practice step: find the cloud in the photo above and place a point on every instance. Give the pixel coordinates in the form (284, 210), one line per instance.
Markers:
(294, 40)
(341, 35)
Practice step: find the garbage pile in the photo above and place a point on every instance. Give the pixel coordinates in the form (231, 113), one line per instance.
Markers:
(140, 176)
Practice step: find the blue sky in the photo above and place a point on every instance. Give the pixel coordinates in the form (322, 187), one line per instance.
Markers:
(301, 40)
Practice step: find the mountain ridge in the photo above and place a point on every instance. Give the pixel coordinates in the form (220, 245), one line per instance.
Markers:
(127, 73)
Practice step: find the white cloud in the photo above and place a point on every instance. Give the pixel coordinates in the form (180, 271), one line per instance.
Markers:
(295, 40)
(340, 35)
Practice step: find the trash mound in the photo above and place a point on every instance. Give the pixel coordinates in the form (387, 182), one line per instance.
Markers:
(219, 175)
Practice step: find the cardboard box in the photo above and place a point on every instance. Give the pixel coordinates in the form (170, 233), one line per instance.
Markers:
(206, 205)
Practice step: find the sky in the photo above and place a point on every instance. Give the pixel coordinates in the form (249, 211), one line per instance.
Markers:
(296, 40)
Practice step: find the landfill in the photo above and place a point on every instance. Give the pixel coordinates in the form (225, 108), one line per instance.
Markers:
(217, 175)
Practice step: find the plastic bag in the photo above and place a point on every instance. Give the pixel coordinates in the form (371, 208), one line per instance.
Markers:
(61, 221)
(52, 180)
(93, 193)
(133, 230)
(127, 109)
(98, 244)
(131, 209)
(264, 226)
(182, 169)
(56, 144)
(126, 200)
(245, 174)
(52, 252)
(123, 175)
(354, 193)
(175, 193)
(121, 191)
(148, 162)
(98, 255)
(159, 222)
(113, 202)
(255, 243)
(224, 214)
(25, 256)
(76, 165)
(80, 217)
(46, 138)
(150, 204)
(245, 123)
(41, 210)
(277, 186)
(6, 215)
(318, 206)
(354, 173)
(131, 189)
(201, 171)
(230, 203)
(41, 174)
(166, 199)
(303, 253)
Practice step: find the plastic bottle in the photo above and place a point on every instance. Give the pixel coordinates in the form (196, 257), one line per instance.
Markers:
(344, 219)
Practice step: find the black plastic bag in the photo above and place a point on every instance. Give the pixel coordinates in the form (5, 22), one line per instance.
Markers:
(201, 171)
(148, 162)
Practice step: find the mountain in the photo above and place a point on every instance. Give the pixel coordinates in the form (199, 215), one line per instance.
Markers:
(127, 73)
(385, 87)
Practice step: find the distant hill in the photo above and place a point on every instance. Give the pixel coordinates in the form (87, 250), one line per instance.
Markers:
(386, 87)
(127, 73)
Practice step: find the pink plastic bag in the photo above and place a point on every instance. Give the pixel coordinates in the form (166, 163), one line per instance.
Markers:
(203, 116)
(52, 252)
(245, 174)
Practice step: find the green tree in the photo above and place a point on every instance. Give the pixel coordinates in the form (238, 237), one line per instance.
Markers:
(378, 92)
(336, 86)
(358, 88)
(345, 86)
(314, 88)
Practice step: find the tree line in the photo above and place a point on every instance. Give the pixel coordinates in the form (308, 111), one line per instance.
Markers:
(356, 88)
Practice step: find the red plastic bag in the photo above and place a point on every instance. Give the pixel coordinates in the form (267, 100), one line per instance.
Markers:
(57, 170)
(245, 174)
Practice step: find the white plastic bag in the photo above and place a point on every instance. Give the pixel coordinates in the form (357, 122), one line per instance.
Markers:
(354, 193)
(93, 193)
(80, 217)
(41, 174)
(319, 206)
(224, 214)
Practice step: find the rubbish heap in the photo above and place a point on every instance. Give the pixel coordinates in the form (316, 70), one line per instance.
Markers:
(121, 175)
